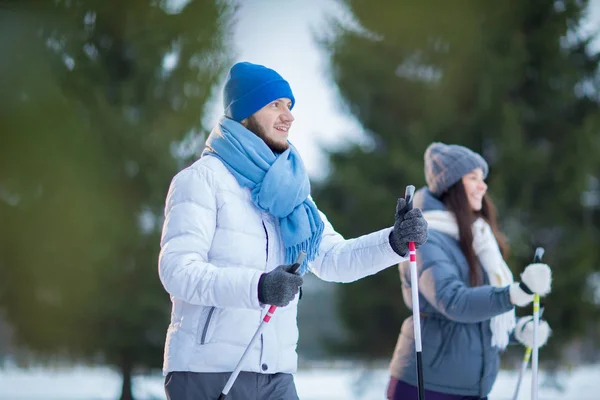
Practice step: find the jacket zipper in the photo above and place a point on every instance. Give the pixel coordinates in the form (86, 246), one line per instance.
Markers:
(205, 330)
(262, 344)
(267, 236)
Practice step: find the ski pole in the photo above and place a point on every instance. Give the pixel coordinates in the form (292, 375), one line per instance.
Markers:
(524, 364)
(539, 252)
(414, 283)
(261, 327)
(522, 371)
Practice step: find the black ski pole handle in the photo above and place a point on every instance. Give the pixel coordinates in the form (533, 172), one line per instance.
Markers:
(409, 194)
(299, 261)
(298, 264)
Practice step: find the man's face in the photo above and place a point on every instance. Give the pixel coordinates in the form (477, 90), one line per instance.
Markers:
(272, 124)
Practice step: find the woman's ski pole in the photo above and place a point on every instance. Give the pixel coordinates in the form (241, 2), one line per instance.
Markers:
(522, 371)
(524, 364)
(539, 252)
(414, 283)
(261, 327)
(536, 323)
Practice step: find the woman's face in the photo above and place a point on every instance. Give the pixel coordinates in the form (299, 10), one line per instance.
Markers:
(475, 187)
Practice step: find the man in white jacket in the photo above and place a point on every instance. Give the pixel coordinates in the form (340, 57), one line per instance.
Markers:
(235, 221)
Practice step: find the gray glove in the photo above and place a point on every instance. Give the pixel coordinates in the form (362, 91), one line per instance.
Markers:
(410, 226)
(279, 286)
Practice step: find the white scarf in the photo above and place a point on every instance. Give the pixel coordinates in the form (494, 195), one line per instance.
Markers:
(488, 252)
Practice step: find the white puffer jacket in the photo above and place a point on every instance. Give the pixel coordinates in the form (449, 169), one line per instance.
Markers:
(215, 245)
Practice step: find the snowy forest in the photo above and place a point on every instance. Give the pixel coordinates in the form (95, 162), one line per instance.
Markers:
(95, 122)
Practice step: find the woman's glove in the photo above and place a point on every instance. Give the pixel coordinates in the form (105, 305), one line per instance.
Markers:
(537, 278)
(524, 331)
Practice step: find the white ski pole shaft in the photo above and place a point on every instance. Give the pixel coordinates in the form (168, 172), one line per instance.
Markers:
(526, 358)
(238, 367)
(524, 364)
(534, 358)
(536, 323)
(414, 283)
(261, 327)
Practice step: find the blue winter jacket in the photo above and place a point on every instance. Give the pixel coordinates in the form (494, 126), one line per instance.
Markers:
(458, 357)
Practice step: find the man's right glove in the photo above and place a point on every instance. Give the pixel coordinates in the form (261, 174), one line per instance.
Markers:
(537, 278)
(279, 286)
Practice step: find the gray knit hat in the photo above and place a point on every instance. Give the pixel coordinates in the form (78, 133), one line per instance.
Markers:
(447, 164)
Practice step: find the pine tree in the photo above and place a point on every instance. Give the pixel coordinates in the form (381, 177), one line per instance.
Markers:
(98, 104)
(511, 80)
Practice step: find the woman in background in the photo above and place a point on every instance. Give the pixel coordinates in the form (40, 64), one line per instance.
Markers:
(467, 292)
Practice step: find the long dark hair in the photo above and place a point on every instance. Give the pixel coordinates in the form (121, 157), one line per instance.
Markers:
(456, 201)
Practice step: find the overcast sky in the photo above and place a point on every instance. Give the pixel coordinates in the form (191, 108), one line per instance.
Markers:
(279, 34)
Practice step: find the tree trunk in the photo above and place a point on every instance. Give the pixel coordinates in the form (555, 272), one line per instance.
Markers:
(126, 372)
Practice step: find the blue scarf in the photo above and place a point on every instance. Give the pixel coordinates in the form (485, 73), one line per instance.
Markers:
(279, 185)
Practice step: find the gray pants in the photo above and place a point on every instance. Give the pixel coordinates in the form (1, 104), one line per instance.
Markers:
(247, 386)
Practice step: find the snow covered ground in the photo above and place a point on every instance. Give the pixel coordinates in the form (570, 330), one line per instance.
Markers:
(331, 383)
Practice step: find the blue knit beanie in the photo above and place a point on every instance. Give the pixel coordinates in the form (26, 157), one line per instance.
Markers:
(447, 164)
(250, 87)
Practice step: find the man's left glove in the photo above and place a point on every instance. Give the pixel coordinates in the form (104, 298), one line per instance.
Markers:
(410, 226)
(279, 287)
(524, 331)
